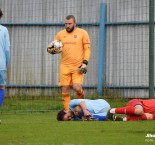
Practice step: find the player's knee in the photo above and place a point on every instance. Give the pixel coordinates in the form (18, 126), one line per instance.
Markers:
(65, 89)
(77, 88)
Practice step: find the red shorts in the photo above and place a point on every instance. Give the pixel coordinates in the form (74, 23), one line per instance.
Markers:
(134, 102)
(148, 105)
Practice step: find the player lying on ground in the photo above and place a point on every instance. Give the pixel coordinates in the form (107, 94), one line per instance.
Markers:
(136, 109)
(85, 109)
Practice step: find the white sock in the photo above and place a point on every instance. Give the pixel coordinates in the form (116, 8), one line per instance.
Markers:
(124, 119)
(112, 110)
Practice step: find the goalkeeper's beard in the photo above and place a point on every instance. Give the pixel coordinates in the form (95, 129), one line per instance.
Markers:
(69, 30)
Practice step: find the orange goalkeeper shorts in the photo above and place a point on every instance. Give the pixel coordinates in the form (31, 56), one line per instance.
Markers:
(69, 75)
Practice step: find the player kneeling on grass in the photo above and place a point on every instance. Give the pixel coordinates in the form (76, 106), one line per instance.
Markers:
(136, 109)
(85, 109)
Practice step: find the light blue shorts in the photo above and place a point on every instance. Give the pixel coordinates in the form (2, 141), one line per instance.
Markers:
(2, 77)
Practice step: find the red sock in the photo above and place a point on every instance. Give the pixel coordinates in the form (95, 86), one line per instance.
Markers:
(129, 110)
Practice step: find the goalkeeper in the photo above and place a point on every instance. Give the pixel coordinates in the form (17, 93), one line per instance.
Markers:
(74, 59)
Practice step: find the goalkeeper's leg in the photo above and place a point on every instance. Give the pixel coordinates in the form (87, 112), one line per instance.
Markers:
(65, 83)
(66, 96)
(80, 94)
(65, 100)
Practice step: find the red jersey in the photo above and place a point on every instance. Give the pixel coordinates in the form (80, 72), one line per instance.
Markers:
(148, 106)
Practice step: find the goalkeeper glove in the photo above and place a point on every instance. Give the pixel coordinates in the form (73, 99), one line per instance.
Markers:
(83, 67)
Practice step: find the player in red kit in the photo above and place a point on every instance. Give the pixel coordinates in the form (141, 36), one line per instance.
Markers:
(136, 109)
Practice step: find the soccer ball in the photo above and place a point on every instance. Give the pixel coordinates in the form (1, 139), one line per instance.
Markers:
(57, 45)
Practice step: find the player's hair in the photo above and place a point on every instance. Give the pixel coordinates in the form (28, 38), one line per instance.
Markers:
(60, 115)
(71, 17)
(1, 14)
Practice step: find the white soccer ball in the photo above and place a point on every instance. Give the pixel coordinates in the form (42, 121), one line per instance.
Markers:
(57, 45)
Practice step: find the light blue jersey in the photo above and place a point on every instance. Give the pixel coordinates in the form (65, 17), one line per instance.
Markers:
(4, 48)
(98, 108)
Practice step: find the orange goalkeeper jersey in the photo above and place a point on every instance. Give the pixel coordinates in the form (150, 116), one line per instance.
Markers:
(74, 46)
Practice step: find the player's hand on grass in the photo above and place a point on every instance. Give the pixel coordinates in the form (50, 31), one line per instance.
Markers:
(87, 113)
(83, 68)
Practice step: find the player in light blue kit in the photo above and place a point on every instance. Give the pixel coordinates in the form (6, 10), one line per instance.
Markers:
(4, 58)
(85, 109)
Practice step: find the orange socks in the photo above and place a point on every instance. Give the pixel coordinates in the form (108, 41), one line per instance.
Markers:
(80, 95)
(65, 100)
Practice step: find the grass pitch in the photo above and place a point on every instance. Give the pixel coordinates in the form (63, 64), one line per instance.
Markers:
(44, 129)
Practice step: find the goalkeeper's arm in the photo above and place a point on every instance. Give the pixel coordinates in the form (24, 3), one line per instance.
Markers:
(83, 67)
(87, 51)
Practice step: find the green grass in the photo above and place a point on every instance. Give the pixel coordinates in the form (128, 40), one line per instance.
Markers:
(44, 129)
(13, 104)
(44, 103)
(32, 121)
